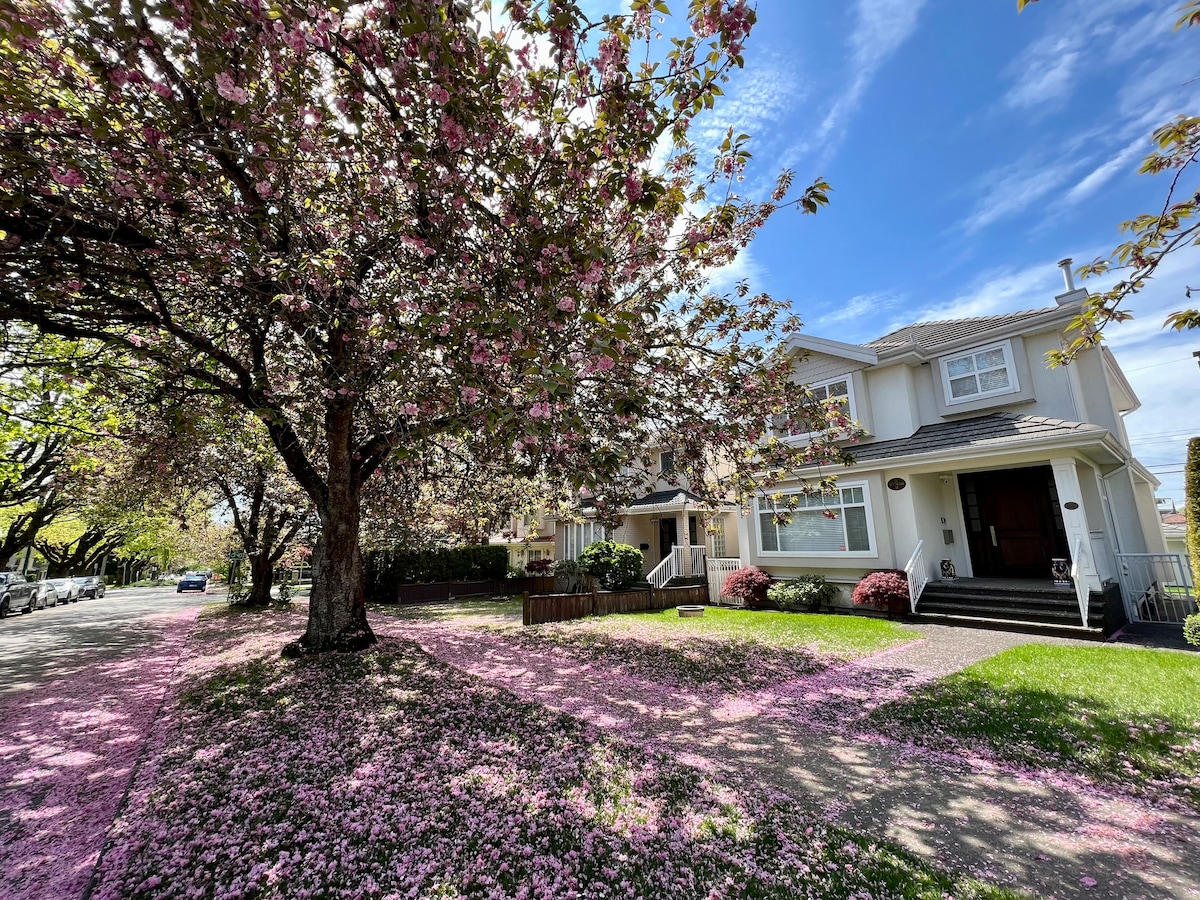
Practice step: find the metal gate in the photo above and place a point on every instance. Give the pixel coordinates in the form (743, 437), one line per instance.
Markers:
(1156, 587)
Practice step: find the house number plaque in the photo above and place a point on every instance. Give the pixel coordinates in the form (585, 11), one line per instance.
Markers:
(896, 484)
(1071, 504)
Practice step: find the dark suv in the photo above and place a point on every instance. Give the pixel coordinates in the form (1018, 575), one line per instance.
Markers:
(16, 594)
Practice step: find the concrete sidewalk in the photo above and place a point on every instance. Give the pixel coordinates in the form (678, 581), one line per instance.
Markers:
(1047, 833)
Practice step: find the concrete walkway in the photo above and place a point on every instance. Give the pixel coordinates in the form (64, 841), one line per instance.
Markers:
(1044, 832)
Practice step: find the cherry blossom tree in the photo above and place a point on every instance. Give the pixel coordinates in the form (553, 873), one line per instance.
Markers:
(391, 226)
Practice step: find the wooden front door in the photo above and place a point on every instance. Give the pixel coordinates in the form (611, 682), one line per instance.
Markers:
(1014, 526)
(668, 537)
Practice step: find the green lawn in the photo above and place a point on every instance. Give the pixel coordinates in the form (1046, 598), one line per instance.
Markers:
(740, 648)
(1120, 715)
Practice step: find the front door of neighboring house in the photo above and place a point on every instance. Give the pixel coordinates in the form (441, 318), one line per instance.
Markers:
(668, 536)
(1014, 525)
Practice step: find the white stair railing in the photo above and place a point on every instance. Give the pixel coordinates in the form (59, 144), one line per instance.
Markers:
(918, 577)
(663, 572)
(1082, 588)
(698, 554)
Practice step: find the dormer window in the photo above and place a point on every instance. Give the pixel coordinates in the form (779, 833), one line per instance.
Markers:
(981, 372)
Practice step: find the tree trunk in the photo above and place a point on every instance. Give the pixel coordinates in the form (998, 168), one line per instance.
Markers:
(262, 576)
(337, 608)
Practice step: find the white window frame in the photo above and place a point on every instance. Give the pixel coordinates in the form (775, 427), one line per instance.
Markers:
(766, 506)
(1010, 365)
(852, 411)
(581, 535)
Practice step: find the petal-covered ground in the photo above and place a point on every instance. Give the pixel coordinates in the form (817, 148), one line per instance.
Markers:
(1049, 831)
(67, 753)
(389, 774)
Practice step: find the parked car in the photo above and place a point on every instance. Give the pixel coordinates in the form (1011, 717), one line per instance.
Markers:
(89, 586)
(44, 595)
(192, 581)
(67, 589)
(16, 594)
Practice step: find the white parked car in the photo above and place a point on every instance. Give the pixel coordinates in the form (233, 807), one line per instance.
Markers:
(68, 590)
(44, 595)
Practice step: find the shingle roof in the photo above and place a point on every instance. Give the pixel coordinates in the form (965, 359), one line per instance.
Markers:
(929, 335)
(995, 429)
(665, 498)
(673, 497)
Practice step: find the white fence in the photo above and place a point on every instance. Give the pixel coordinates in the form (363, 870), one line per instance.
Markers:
(1156, 587)
(718, 571)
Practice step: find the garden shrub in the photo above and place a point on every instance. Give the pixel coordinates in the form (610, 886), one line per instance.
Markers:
(385, 568)
(749, 584)
(615, 566)
(539, 566)
(882, 590)
(1191, 629)
(808, 591)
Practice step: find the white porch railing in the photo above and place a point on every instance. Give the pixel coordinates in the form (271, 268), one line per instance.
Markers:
(1083, 589)
(682, 561)
(1156, 587)
(718, 571)
(917, 574)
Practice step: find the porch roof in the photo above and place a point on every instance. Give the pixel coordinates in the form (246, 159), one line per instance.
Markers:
(660, 501)
(995, 430)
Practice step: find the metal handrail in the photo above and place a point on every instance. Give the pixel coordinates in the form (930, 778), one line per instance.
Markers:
(1082, 589)
(917, 576)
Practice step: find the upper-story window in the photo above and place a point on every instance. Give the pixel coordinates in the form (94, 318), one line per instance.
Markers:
(840, 390)
(982, 372)
(666, 462)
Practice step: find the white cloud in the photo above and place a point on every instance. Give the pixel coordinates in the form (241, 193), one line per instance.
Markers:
(766, 93)
(881, 28)
(866, 309)
(1012, 189)
(1045, 73)
(1100, 176)
(743, 268)
(998, 291)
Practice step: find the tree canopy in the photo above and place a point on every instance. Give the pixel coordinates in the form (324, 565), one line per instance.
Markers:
(395, 229)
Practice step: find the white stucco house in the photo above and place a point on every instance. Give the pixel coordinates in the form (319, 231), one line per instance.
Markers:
(979, 454)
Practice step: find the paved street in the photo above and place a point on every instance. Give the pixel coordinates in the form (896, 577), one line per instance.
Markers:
(39, 647)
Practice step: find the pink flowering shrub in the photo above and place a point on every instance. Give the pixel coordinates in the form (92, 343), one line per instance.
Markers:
(749, 584)
(882, 590)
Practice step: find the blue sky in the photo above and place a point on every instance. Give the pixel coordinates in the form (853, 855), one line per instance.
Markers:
(970, 148)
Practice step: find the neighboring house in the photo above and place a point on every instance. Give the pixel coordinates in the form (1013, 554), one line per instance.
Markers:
(670, 525)
(529, 537)
(976, 452)
(1174, 529)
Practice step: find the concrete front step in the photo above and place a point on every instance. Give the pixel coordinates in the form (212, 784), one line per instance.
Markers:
(1008, 609)
(1035, 603)
(1092, 633)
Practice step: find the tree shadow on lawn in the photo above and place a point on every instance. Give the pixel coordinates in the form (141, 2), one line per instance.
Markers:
(388, 771)
(1032, 828)
(1151, 754)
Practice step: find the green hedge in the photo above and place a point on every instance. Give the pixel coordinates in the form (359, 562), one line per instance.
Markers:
(384, 569)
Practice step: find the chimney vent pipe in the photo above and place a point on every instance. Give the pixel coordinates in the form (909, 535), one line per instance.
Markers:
(1065, 265)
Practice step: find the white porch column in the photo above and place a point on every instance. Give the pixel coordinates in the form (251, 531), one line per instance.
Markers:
(902, 517)
(1066, 481)
(745, 548)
